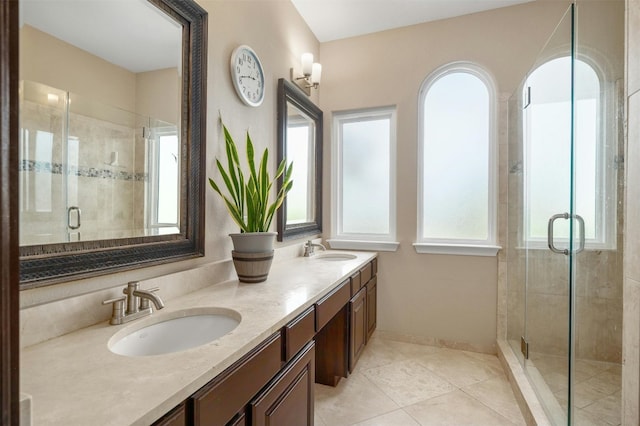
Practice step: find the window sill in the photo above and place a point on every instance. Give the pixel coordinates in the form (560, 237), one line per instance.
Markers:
(363, 245)
(457, 249)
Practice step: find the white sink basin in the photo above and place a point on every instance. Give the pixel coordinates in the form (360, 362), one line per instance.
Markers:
(174, 332)
(336, 257)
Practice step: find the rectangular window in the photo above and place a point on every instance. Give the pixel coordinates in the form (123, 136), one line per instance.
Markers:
(163, 187)
(363, 192)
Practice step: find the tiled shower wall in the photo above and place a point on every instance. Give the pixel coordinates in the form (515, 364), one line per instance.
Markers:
(546, 294)
(110, 195)
(631, 330)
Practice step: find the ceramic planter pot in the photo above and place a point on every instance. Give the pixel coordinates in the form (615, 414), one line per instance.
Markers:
(253, 242)
(252, 255)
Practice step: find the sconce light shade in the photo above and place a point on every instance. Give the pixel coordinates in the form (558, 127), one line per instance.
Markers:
(307, 64)
(311, 73)
(316, 73)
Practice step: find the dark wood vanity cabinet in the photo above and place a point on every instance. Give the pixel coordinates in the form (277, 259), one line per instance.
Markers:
(218, 402)
(345, 327)
(270, 385)
(363, 310)
(273, 384)
(332, 337)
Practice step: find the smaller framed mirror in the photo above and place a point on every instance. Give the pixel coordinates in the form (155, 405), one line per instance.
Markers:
(300, 142)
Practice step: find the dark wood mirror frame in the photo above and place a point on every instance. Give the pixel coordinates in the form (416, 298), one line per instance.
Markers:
(288, 93)
(9, 266)
(52, 263)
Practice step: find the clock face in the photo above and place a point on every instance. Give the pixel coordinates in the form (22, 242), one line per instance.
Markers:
(247, 75)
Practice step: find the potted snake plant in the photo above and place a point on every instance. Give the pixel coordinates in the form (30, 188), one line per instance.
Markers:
(247, 199)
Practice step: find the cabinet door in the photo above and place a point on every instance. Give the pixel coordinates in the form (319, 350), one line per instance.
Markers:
(357, 326)
(288, 400)
(372, 309)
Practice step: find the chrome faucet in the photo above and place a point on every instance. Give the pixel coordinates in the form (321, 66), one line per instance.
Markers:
(309, 248)
(137, 303)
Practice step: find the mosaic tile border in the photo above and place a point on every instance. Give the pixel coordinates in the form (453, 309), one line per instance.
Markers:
(89, 172)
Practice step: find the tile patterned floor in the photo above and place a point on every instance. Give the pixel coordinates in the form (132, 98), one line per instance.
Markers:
(404, 384)
(597, 391)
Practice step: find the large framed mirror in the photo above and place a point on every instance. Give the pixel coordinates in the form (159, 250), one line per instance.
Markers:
(112, 136)
(300, 141)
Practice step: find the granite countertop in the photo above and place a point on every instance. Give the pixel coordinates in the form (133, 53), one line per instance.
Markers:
(74, 379)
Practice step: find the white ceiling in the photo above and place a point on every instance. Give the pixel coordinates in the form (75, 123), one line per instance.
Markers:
(337, 19)
(106, 27)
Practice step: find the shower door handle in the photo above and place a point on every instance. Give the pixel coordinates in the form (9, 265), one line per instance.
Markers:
(565, 216)
(581, 240)
(552, 219)
(78, 216)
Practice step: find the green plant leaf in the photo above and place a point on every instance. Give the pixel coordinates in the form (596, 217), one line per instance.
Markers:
(248, 199)
(230, 187)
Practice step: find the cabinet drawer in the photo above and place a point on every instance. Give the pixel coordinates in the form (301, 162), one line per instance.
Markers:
(329, 305)
(355, 283)
(374, 266)
(227, 394)
(365, 274)
(298, 332)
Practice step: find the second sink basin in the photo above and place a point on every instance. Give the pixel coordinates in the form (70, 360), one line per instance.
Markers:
(336, 256)
(175, 332)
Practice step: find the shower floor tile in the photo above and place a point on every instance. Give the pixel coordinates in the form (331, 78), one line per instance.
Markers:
(404, 384)
(597, 388)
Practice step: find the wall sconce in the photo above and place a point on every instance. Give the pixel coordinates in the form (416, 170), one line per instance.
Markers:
(311, 73)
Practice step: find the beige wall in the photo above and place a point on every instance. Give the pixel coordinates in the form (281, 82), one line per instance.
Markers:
(53, 62)
(631, 312)
(449, 300)
(158, 94)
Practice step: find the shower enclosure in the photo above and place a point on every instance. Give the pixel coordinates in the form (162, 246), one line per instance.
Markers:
(564, 249)
(90, 171)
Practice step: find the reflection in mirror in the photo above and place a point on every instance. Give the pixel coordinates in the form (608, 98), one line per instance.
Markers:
(111, 107)
(89, 171)
(300, 140)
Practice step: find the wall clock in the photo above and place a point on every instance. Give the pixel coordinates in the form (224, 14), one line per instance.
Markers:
(247, 75)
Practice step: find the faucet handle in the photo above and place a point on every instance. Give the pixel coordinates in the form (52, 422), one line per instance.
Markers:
(117, 312)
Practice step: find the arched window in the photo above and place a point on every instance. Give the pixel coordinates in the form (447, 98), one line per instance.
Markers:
(547, 130)
(457, 162)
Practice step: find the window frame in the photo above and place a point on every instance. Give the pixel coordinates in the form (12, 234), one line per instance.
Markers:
(460, 246)
(362, 241)
(153, 225)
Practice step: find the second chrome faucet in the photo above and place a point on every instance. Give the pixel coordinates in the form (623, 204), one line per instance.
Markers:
(137, 303)
(309, 246)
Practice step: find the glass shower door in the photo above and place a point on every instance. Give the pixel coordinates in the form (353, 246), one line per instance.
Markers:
(549, 240)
